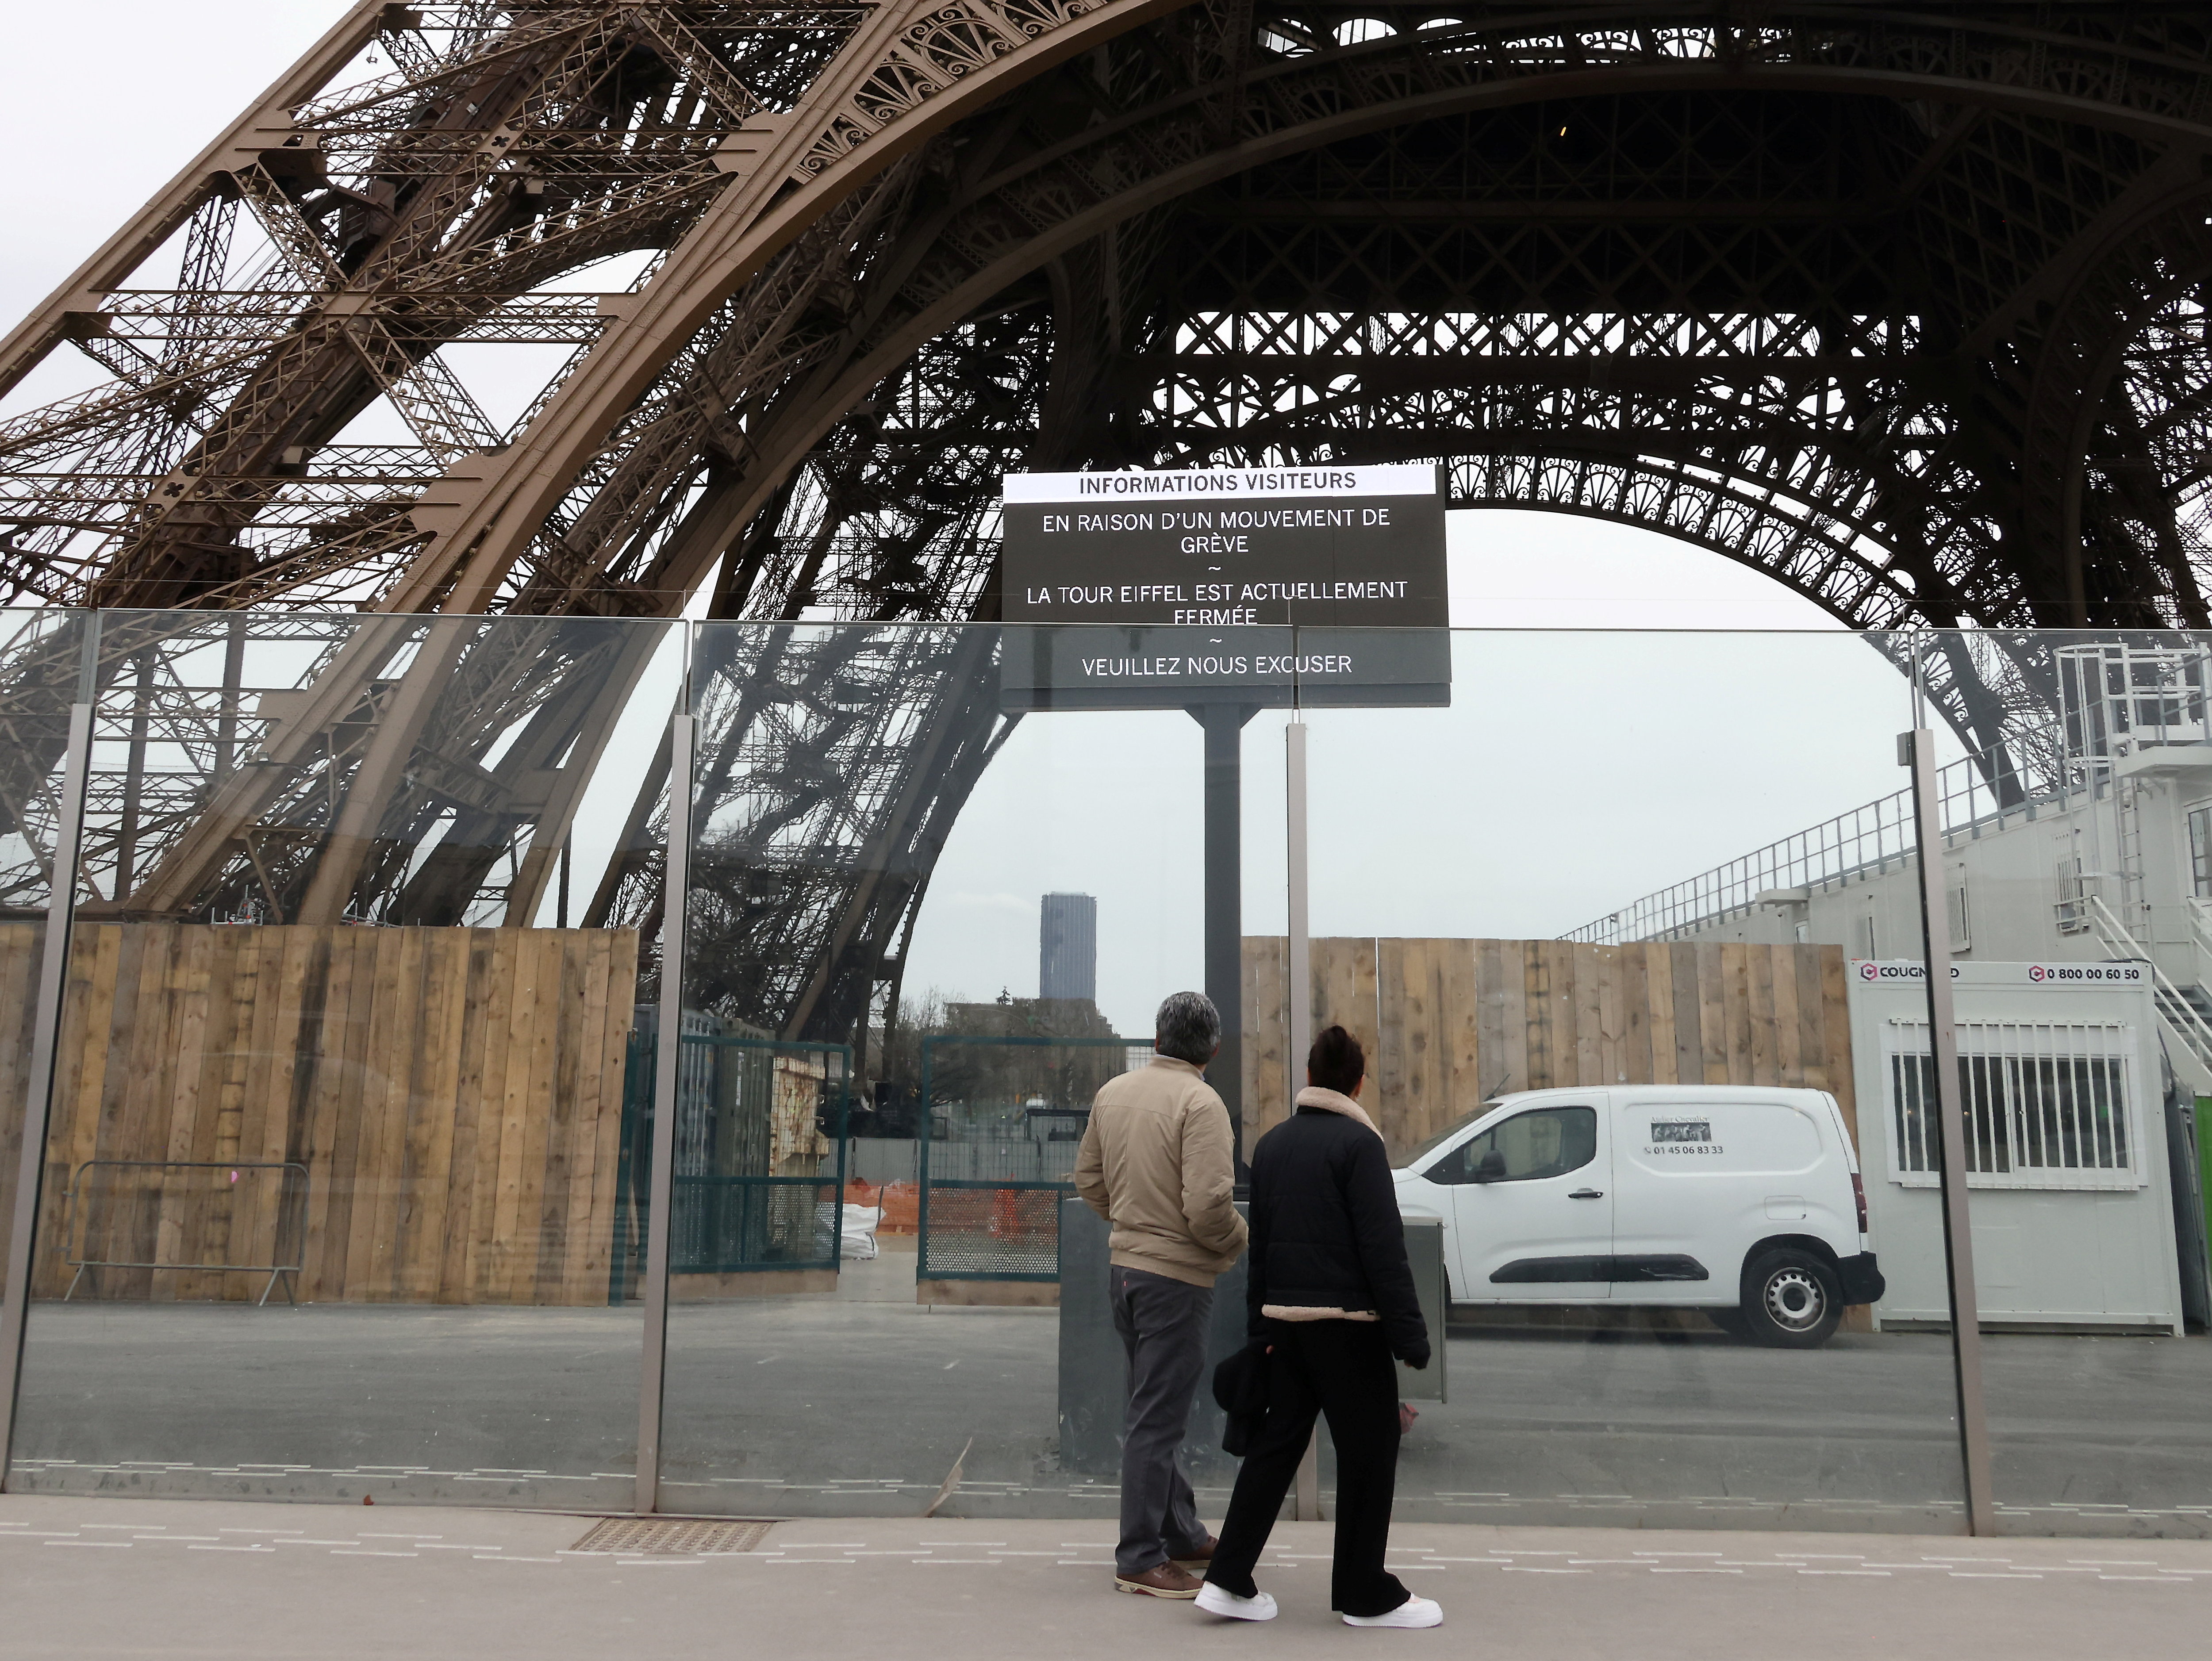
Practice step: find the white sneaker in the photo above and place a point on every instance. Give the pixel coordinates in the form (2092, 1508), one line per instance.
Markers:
(1413, 1612)
(1219, 1600)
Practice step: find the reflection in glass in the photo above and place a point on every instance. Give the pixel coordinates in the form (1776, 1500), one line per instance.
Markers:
(335, 1203)
(1662, 1276)
(902, 849)
(2073, 858)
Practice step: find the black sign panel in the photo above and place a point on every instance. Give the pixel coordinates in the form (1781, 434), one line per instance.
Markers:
(1347, 547)
(1176, 585)
(1265, 668)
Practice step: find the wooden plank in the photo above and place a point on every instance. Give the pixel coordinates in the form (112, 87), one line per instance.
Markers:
(621, 946)
(148, 1090)
(454, 1281)
(1459, 1038)
(200, 1198)
(1762, 1064)
(17, 944)
(395, 1030)
(1811, 1038)
(495, 1269)
(1266, 1035)
(1344, 993)
(1632, 969)
(494, 1146)
(1575, 986)
(1538, 1020)
(1412, 1082)
(435, 1089)
(1689, 1014)
(1736, 1009)
(334, 1112)
(291, 1076)
(1836, 1023)
(1513, 1019)
(585, 1219)
(566, 967)
(236, 995)
(1658, 971)
(534, 1069)
(1712, 1015)
(90, 1052)
(1788, 1054)
(1608, 1011)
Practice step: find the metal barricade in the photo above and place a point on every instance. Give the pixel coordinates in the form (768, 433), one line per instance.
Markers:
(132, 1214)
(756, 1119)
(1004, 1119)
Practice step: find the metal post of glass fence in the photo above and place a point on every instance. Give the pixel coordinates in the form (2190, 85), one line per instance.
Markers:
(668, 1051)
(46, 1036)
(1917, 750)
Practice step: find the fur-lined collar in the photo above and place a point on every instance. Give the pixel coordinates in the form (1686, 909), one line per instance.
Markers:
(1335, 1102)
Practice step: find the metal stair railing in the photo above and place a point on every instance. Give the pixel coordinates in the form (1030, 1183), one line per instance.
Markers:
(2190, 1030)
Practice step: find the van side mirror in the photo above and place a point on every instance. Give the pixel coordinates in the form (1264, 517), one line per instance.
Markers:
(1492, 1168)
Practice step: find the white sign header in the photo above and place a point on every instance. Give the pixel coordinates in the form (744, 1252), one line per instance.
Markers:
(2068, 975)
(1222, 484)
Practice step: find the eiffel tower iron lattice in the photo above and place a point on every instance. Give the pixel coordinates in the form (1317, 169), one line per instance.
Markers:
(559, 314)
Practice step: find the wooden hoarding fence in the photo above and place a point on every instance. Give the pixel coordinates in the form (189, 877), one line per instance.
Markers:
(1450, 1024)
(454, 1095)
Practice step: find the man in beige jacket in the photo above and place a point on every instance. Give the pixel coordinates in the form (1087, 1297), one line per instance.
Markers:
(1157, 1162)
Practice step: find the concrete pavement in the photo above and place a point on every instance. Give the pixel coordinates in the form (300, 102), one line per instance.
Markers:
(831, 1407)
(183, 1579)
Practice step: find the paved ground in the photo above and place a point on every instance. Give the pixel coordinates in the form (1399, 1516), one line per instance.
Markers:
(115, 1578)
(845, 1406)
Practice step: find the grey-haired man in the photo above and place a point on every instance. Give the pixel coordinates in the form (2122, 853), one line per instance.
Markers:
(1157, 1162)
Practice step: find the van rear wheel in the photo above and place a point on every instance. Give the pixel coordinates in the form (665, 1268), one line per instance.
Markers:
(1791, 1300)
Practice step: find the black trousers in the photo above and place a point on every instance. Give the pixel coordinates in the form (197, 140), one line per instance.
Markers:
(1342, 1369)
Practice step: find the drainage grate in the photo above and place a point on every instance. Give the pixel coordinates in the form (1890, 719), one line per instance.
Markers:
(671, 1536)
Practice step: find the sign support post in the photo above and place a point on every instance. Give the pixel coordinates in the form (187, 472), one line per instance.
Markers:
(1224, 725)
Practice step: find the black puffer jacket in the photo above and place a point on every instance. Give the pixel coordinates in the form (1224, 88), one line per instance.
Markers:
(1326, 1232)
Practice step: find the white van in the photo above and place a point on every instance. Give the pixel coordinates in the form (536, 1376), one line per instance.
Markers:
(1744, 1203)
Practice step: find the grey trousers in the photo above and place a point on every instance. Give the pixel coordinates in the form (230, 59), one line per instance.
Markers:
(1163, 1324)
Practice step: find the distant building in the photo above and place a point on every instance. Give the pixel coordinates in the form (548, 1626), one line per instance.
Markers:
(1067, 947)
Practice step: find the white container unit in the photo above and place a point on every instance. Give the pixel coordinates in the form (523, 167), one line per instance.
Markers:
(2073, 1218)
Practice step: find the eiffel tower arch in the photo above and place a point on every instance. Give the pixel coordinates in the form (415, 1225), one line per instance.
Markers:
(1903, 306)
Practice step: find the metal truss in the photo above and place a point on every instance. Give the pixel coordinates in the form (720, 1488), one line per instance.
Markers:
(571, 311)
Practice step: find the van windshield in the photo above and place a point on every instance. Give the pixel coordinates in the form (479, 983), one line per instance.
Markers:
(1443, 1137)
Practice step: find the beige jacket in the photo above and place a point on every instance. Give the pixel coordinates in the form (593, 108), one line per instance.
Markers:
(1156, 1163)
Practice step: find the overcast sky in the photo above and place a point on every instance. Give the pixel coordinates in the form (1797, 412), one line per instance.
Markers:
(1571, 774)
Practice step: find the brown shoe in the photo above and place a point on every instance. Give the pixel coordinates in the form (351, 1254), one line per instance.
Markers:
(1198, 1559)
(1161, 1580)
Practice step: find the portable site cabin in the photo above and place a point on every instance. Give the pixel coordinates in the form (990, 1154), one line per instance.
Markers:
(2073, 1211)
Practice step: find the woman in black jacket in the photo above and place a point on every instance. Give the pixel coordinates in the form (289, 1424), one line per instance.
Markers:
(1331, 1297)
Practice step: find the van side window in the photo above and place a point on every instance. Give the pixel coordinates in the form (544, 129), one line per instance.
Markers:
(1544, 1141)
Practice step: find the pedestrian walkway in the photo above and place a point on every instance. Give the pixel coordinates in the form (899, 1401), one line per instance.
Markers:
(161, 1579)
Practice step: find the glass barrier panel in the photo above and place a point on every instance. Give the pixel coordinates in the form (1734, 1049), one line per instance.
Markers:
(341, 1201)
(2077, 866)
(42, 656)
(941, 880)
(1636, 1139)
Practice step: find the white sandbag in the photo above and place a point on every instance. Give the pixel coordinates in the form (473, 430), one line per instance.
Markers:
(860, 1223)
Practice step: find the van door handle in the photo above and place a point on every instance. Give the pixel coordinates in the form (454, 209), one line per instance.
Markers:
(1588, 1193)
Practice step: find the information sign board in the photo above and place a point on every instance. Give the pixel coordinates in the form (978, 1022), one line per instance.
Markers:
(1257, 585)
